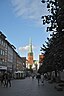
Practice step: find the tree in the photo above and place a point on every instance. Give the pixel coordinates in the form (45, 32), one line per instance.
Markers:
(54, 50)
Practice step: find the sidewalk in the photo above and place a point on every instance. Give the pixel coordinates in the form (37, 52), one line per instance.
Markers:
(29, 87)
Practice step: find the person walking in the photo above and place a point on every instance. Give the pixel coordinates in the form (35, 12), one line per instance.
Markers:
(2, 79)
(42, 78)
(38, 77)
(5, 79)
(33, 76)
(9, 79)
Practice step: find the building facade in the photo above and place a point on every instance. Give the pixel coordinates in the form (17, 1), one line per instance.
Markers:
(23, 62)
(41, 58)
(9, 58)
(3, 52)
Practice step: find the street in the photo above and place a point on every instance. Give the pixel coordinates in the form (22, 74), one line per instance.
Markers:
(29, 87)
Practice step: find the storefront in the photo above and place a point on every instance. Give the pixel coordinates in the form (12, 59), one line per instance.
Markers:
(3, 68)
(19, 75)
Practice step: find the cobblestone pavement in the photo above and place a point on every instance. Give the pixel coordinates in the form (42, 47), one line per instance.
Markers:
(29, 87)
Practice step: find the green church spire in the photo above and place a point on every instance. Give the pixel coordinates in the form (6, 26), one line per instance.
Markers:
(30, 46)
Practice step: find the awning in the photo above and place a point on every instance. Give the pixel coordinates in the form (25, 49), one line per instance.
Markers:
(3, 68)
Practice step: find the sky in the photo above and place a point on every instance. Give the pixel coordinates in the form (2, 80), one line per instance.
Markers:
(21, 20)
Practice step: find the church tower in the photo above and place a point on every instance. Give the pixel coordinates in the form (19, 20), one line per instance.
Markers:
(30, 53)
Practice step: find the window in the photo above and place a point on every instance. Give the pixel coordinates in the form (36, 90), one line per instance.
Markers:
(4, 44)
(0, 41)
(1, 52)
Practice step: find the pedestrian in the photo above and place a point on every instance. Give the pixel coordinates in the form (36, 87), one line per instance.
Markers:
(38, 77)
(5, 79)
(9, 79)
(33, 76)
(42, 78)
(2, 79)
